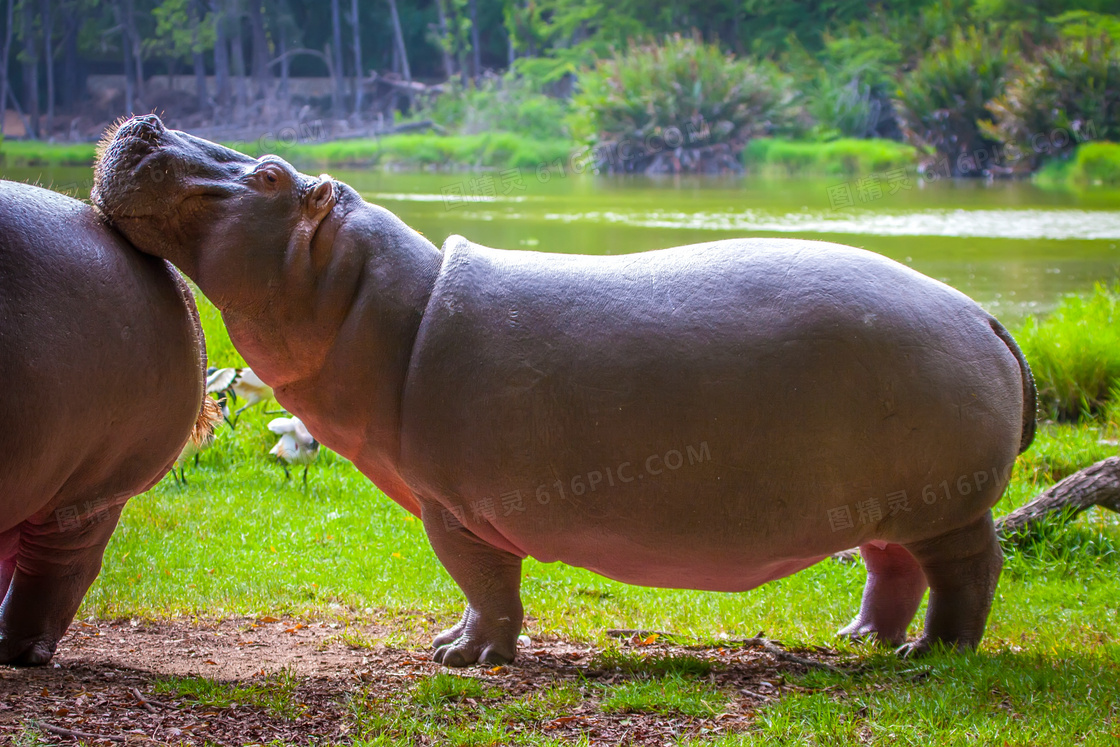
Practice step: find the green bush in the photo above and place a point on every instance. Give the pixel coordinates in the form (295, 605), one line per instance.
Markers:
(944, 99)
(506, 104)
(1070, 95)
(1075, 354)
(678, 93)
(846, 87)
(844, 157)
(1092, 165)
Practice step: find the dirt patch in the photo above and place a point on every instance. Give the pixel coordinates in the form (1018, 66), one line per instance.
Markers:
(114, 682)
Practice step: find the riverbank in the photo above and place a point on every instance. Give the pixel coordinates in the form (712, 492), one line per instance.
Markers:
(1091, 165)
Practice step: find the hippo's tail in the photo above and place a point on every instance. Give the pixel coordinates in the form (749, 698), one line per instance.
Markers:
(210, 414)
(1030, 392)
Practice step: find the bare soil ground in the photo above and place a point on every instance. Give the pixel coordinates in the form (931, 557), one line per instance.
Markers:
(100, 689)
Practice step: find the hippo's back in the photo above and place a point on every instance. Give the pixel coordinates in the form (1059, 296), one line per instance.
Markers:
(100, 355)
(746, 389)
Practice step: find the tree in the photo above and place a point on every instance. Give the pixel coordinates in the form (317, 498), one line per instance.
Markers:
(357, 50)
(336, 58)
(30, 68)
(398, 40)
(4, 64)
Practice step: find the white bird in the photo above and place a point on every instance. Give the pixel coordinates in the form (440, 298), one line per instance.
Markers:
(296, 444)
(232, 383)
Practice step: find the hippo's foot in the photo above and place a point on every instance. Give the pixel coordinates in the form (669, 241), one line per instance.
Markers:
(476, 639)
(20, 652)
(894, 590)
(491, 580)
(963, 568)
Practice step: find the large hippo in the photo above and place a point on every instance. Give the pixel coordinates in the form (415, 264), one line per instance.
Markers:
(709, 417)
(102, 364)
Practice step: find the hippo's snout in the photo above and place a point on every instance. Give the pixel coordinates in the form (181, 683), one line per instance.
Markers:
(147, 127)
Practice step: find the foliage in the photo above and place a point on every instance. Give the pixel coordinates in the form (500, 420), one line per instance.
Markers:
(175, 35)
(1075, 354)
(680, 90)
(1071, 94)
(846, 86)
(844, 157)
(943, 100)
(506, 104)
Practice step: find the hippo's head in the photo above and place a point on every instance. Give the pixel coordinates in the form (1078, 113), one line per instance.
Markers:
(217, 214)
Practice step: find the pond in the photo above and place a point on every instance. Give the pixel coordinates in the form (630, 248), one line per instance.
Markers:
(1013, 247)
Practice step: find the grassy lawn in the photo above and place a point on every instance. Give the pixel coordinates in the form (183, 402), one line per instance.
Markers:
(239, 539)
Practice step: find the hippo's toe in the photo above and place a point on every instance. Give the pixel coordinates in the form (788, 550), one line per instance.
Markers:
(20, 653)
(475, 640)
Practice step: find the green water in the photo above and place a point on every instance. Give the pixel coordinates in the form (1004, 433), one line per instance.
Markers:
(1013, 247)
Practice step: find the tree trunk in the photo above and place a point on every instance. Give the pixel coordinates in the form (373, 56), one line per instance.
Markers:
(196, 14)
(357, 49)
(30, 69)
(398, 40)
(262, 78)
(445, 42)
(4, 65)
(237, 62)
(285, 68)
(476, 50)
(221, 54)
(336, 61)
(70, 75)
(48, 56)
(137, 51)
(1098, 485)
(126, 50)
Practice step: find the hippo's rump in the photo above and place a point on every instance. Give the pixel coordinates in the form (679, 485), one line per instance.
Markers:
(710, 393)
(100, 355)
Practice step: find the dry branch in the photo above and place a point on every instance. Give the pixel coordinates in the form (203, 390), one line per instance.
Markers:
(1098, 485)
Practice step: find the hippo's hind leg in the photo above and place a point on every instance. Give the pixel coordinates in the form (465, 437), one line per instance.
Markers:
(894, 590)
(962, 567)
(9, 544)
(55, 566)
(491, 580)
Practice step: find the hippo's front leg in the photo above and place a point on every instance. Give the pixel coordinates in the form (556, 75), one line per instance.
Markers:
(50, 575)
(491, 580)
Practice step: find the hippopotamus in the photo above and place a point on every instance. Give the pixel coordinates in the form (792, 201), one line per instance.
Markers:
(103, 363)
(710, 417)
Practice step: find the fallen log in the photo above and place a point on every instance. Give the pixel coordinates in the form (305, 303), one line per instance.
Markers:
(1097, 485)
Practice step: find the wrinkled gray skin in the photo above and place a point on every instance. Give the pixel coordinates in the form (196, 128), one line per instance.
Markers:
(102, 365)
(735, 392)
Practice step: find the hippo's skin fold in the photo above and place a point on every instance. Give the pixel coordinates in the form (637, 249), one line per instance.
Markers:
(103, 368)
(711, 417)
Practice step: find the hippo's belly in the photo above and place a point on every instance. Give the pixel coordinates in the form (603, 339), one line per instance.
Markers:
(709, 417)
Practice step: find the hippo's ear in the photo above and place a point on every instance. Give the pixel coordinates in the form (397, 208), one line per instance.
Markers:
(321, 199)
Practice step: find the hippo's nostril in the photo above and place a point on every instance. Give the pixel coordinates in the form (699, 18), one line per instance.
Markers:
(146, 127)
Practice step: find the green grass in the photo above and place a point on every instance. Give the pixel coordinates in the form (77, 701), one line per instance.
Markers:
(843, 157)
(274, 695)
(241, 540)
(669, 695)
(1092, 165)
(1075, 354)
(496, 150)
(33, 153)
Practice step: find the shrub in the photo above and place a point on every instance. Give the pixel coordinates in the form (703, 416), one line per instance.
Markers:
(681, 95)
(1075, 354)
(506, 104)
(943, 100)
(846, 87)
(1074, 88)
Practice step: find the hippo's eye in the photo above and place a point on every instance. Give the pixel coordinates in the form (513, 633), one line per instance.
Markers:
(270, 176)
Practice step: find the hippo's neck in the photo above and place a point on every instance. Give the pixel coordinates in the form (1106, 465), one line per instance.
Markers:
(338, 354)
